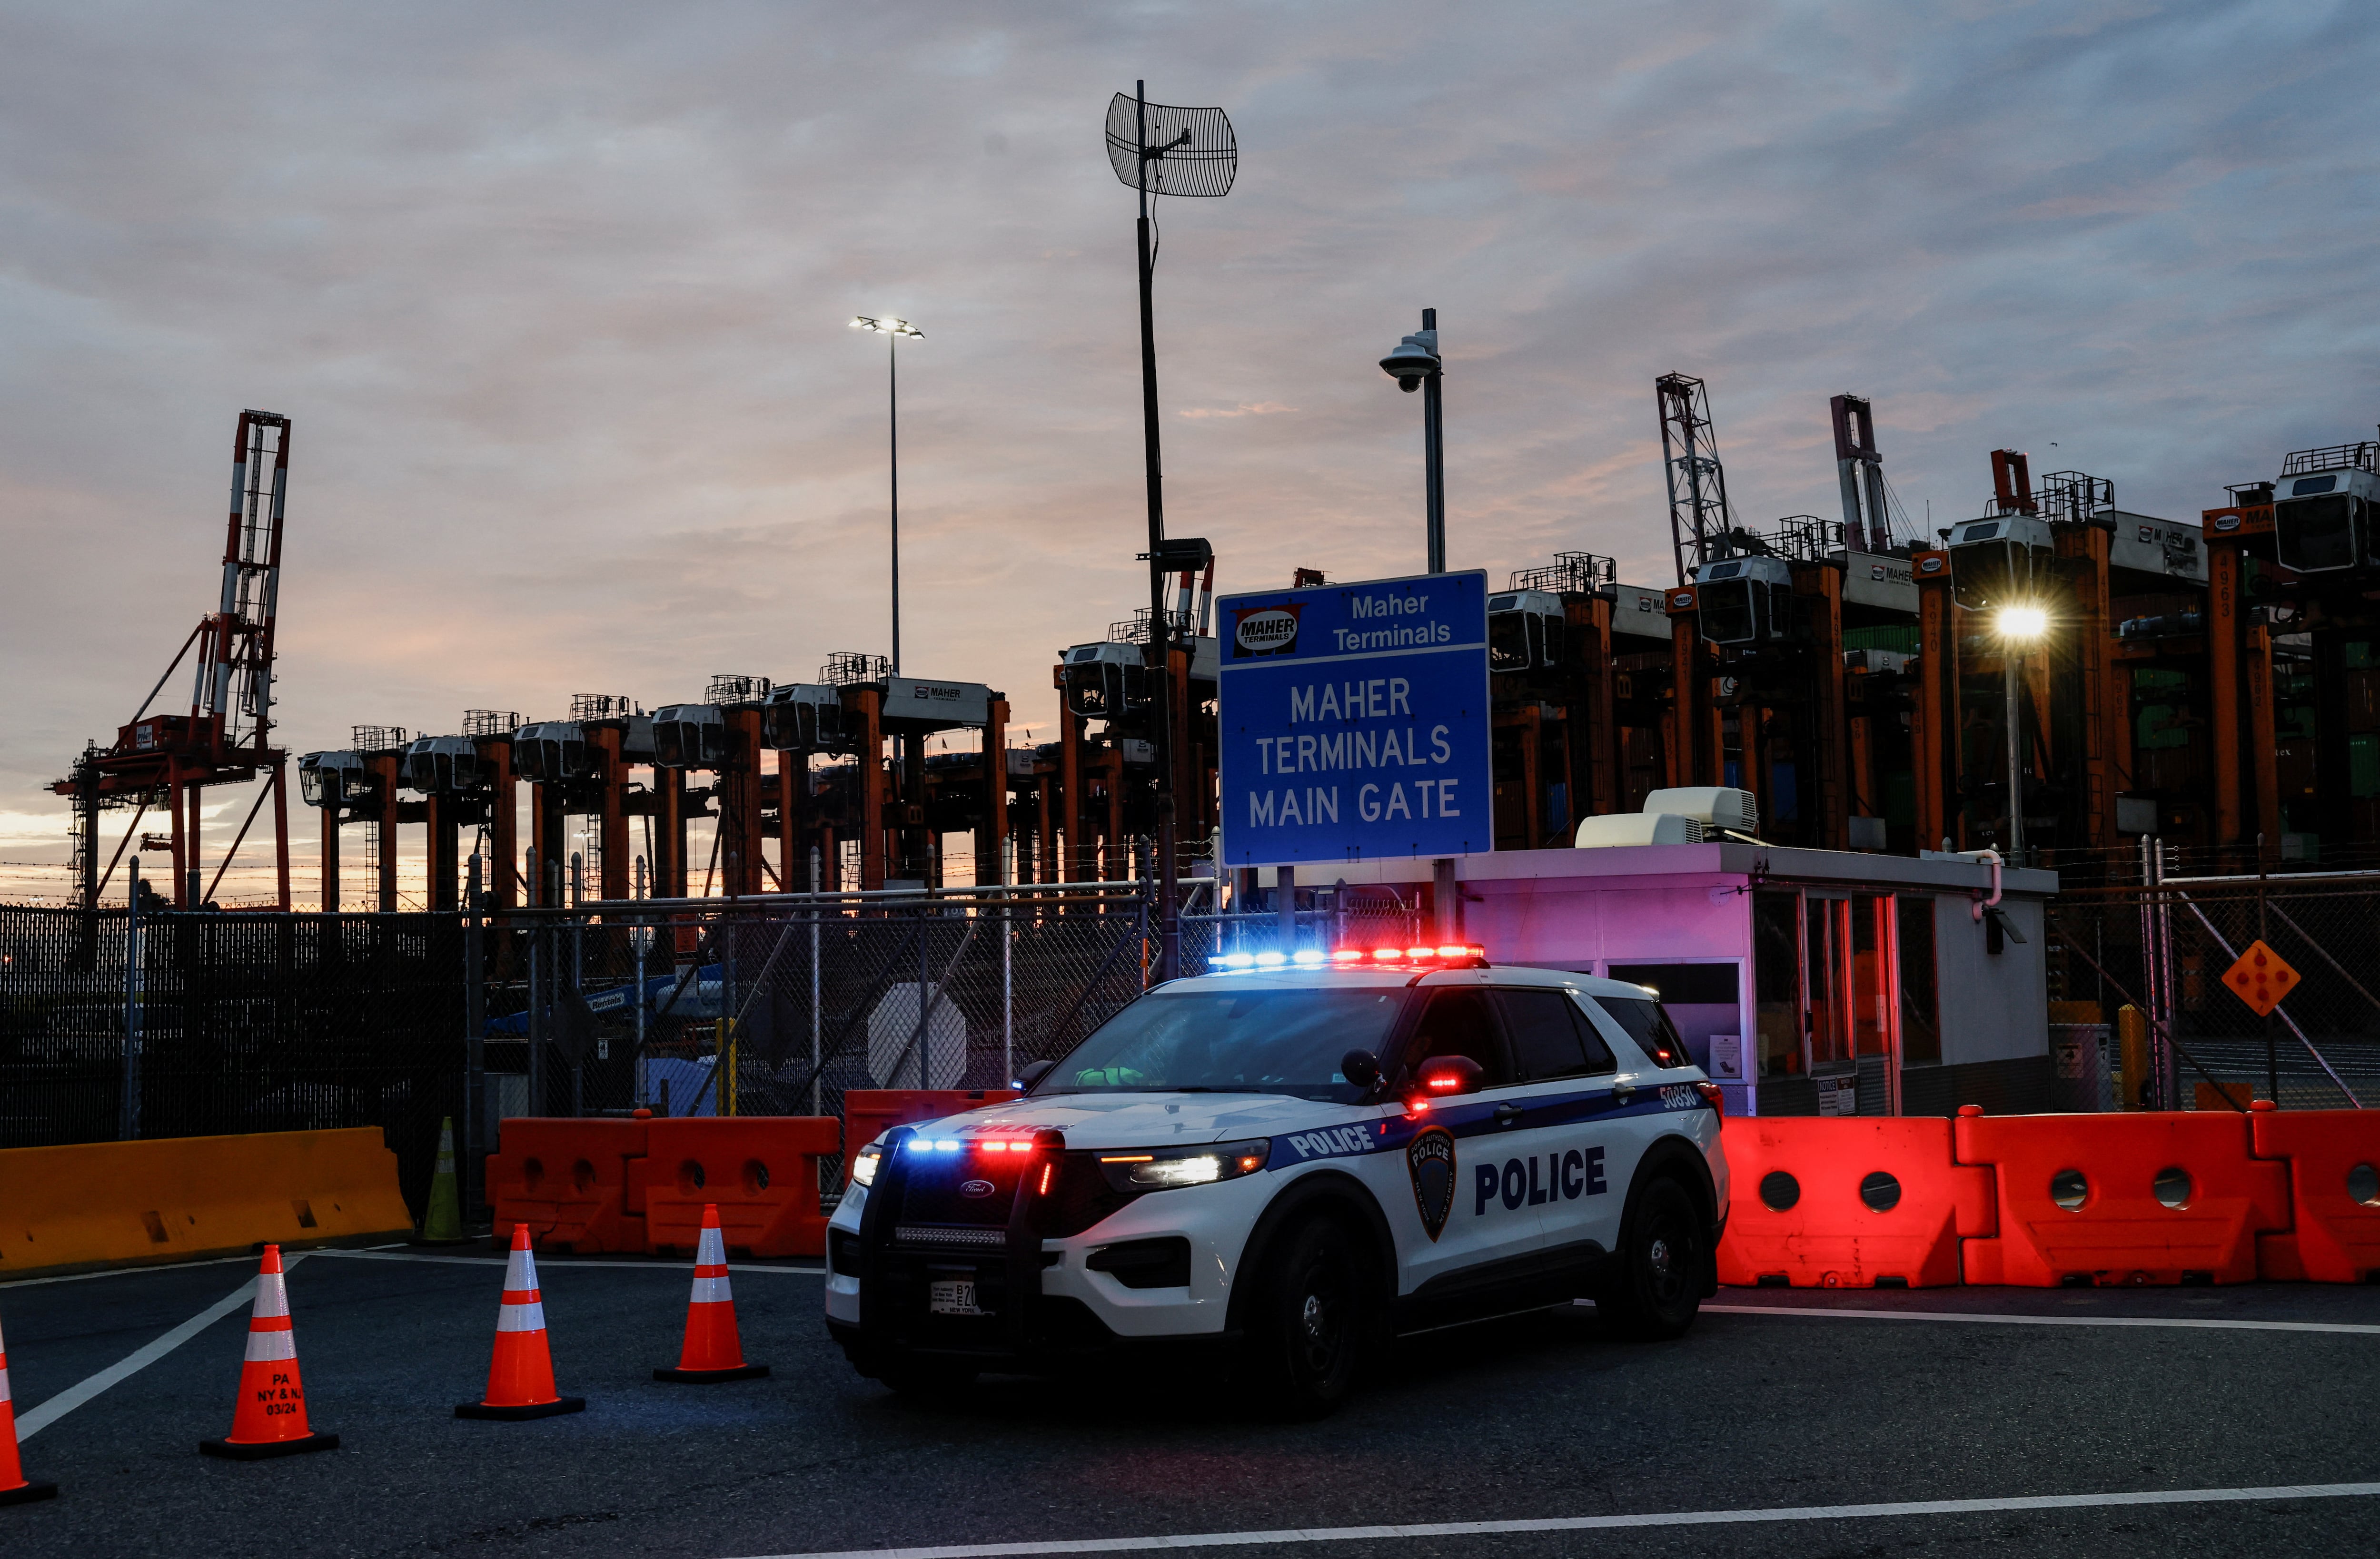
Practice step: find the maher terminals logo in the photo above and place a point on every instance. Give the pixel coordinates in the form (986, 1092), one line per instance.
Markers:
(1265, 630)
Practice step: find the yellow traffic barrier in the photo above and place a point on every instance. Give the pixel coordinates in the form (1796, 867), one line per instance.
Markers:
(171, 1199)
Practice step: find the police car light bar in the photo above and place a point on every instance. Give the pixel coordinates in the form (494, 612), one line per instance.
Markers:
(1449, 956)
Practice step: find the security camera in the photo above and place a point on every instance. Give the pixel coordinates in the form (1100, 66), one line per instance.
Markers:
(1415, 359)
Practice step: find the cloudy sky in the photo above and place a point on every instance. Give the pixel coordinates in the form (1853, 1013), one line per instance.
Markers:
(556, 296)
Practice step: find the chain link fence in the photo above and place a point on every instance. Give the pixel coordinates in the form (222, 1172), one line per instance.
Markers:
(783, 1006)
(2162, 947)
(173, 1026)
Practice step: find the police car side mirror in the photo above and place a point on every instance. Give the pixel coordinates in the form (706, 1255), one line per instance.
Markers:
(1033, 1072)
(1360, 1068)
(1442, 1076)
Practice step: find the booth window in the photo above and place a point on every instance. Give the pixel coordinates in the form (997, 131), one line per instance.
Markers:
(1830, 1028)
(1921, 1016)
(1871, 963)
(1776, 979)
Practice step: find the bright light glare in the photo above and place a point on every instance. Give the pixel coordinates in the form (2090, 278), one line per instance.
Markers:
(1306, 958)
(1195, 1171)
(1237, 960)
(863, 1168)
(1270, 960)
(2022, 624)
(1388, 955)
(1347, 955)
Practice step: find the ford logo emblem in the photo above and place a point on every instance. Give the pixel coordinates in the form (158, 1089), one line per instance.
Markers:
(975, 1187)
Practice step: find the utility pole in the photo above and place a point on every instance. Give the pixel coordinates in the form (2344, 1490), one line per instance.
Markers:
(1160, 627)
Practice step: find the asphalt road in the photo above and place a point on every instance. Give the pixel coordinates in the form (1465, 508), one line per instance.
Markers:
(1533, 1418)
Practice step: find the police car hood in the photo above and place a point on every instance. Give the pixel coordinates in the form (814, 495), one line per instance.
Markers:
(1147, 1120)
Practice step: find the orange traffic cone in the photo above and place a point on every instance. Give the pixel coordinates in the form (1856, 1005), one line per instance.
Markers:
(520, 1376)
(15, 1487)
(270, 1418)
(712, 1352)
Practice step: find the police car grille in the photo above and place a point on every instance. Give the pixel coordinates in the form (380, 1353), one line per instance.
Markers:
(972, 1238)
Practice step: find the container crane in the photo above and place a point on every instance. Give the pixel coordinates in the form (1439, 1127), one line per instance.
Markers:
(225, 739)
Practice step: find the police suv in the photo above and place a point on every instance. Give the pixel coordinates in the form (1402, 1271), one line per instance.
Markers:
(1294, 1161)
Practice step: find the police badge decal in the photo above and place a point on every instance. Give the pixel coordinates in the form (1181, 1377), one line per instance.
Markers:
(1430, 1157)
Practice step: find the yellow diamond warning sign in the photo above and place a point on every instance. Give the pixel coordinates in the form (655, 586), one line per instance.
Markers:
(2261, 978)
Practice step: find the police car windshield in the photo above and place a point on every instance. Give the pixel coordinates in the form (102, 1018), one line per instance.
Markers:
(1249, 1041)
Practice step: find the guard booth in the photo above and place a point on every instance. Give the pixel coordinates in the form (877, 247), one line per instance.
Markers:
(1805, 982)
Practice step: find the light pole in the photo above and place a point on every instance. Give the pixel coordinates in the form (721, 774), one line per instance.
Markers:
(892, 331)
(2019, 628)
(1415, 365)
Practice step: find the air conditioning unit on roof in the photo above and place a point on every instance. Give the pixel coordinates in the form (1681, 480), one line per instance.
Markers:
(1716, 806)
(1637, 828)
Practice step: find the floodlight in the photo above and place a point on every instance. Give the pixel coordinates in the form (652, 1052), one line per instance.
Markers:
(2021, 625)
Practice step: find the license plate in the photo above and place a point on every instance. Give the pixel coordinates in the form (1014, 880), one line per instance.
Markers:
(956, 1297)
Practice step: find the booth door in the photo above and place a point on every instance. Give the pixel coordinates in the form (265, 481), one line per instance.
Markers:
(1849, 1017)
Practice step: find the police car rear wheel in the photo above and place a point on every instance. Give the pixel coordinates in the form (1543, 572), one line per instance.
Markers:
(1659, 1286)
(1310, 1320)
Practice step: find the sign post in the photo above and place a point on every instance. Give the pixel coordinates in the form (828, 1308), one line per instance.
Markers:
(1354, 722)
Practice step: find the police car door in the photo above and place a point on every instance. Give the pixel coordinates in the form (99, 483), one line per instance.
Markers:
(1574, 1123)
(1631, 1112)
(1492, 1219)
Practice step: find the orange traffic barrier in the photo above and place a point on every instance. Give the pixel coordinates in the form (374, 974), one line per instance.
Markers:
(712, 1352)
(869, 1113)
(269, 1419)
(2334, 1159)
(520, 1371)
(15, 1487)
(567, 1181)
(1848, 1203)
(2146, 1198)
(760, 1171)
(173, 1199)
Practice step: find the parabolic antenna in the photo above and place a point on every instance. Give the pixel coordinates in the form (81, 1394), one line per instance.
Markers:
(1190, 151)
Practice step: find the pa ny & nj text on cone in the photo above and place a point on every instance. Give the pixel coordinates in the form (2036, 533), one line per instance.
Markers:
(270, 1418)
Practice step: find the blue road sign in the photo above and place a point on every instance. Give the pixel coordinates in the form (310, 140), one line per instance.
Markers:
(1354, 722)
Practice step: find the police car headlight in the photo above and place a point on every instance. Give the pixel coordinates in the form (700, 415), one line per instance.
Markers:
(863, 1168)
(1165, 1168)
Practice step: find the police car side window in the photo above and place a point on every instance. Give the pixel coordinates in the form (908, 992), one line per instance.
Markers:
(1649, 1027)
(1462, 1023)
(1548, 1040)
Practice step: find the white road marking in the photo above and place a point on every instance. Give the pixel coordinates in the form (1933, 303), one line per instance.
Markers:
(553, 1264)
(83, 1390)
(1610, 1523)
(1977, 1317)
(122, 1271)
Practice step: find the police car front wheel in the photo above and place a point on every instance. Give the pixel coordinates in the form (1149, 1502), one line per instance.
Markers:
(1312, 1316)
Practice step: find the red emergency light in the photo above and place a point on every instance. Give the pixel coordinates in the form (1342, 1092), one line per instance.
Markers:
(1450, 955)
